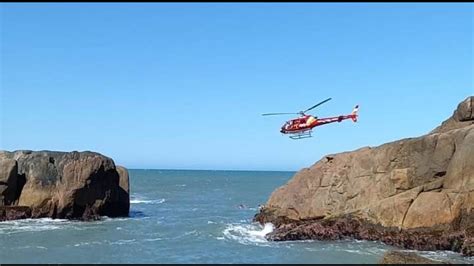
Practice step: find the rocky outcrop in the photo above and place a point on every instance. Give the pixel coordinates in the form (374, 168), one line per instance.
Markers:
(463, 116)
(414, 193)
(71, 185)
(400, 257)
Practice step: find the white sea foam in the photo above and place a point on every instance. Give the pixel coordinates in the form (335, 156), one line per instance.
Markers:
(106, 219)
(38, 221)
(248, 234)
(152, 239)
(193, 232)
(32, 225)
(88, 243)
(145, 201)
(28, 247)
(122, 242)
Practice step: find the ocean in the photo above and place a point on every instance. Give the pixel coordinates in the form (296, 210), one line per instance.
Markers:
(183, 216)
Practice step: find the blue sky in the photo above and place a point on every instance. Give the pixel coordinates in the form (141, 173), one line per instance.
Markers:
(182, 85)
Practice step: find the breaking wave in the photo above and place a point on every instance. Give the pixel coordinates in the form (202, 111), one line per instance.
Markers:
(144, 201)
(32, 225)
(248, 234)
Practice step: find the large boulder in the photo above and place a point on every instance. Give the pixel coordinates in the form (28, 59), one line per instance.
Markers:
(71, 185)
(416, 185)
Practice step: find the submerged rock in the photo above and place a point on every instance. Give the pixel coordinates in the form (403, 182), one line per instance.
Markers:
(70, 185)
(14, 213)
(400, 257)
(414, 193)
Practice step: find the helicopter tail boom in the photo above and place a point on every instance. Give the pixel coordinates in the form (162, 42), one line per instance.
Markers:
(354, 113)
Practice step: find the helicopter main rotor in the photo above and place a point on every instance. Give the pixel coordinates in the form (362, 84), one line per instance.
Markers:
(302, 113)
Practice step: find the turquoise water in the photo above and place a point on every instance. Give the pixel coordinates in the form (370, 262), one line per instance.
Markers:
(180, 216)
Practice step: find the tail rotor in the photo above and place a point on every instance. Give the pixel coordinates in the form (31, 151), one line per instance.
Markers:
(354, 114)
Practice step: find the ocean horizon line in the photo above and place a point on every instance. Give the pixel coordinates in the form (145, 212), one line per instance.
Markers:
(217, 170)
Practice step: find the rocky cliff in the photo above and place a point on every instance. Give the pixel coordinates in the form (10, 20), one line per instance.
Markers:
(70, 185)
(414, 193)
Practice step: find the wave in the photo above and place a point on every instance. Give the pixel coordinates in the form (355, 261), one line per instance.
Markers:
(88, 243)
(49, 224)
(30, 247)
(444, 255)
(143, 201)
(32, 225)
(122, 242)
(152, 239)
(248, 234)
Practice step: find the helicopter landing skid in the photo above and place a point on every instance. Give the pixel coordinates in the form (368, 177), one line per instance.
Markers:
(301, 135)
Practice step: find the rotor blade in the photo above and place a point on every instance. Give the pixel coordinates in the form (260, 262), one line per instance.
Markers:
(280, 114)
(317, 105)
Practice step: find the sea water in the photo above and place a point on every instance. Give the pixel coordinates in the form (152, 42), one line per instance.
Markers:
(183, 216)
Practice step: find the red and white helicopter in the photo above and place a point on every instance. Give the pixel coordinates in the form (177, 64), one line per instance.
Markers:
(302, 126)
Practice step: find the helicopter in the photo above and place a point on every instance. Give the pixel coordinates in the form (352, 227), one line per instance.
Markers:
(302, 126)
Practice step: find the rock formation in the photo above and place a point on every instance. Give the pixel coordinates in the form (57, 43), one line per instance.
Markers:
(70, 185)
(400, 257)
(414, 193)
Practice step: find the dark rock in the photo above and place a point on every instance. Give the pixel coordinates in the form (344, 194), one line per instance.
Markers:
(400, 257)
(468, 247)
(14, 212)
(352, 227)
(9, 182)
(124, 191)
